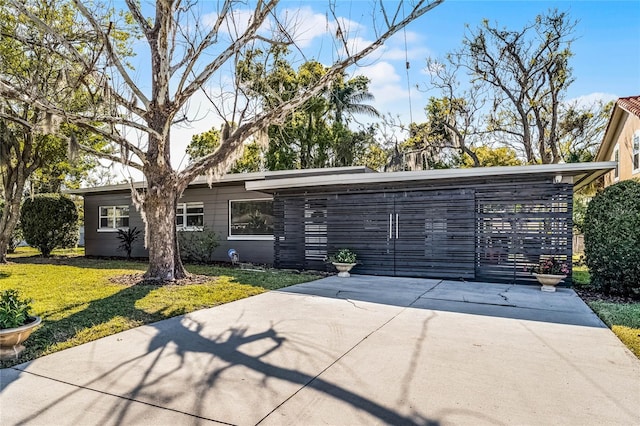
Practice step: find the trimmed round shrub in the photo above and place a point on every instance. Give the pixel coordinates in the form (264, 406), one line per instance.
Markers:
(612, 239)
(49, 221)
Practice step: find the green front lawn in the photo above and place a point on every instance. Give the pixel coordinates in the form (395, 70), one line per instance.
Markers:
(622, 318)
(78, 303)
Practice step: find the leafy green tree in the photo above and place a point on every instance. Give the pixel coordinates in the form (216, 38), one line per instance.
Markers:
(251, 161)
(33, 141)
(490, 157)
(49, 221)
(203, 144)
(184, 57)
(442, 138)
(581, 130)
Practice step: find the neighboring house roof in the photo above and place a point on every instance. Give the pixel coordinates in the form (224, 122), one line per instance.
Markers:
(631, 104)
(622, 107)
(234, 177)
(582, 173)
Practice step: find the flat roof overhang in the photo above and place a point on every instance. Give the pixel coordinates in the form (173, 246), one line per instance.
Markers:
(202, 181)
(581, 173)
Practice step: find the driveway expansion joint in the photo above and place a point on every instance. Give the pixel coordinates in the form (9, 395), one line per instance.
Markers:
(347, 352)
(82, 387)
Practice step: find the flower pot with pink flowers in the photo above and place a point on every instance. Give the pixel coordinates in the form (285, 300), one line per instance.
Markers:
(550, 272)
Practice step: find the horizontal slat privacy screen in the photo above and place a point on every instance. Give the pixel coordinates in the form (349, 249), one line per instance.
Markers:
(484, 232)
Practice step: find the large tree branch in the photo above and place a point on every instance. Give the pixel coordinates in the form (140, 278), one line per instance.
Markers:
(183, 93)
(112, 54)
(217, 159)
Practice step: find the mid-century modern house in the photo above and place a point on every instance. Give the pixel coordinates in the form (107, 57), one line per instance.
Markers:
(621, 142)
(483, 224)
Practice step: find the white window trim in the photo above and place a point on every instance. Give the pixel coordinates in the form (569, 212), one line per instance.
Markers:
(246, 237)
(616, 151)
(636, 135)
(110, 228)
(183, 228)
(250, 238)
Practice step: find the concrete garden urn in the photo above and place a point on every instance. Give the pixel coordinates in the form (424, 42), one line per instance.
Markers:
(343, 268)
(11, 338)
(549, 281)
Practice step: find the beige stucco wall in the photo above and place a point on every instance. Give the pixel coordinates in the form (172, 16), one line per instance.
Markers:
(624, 141)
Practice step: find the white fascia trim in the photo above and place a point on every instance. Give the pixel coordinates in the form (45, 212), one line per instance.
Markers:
(397, 177)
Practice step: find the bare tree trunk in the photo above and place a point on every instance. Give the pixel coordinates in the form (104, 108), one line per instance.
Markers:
(159, 209)
(14, 177)
(8, 222)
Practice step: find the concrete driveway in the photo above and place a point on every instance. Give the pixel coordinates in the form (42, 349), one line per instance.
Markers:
(363, 350)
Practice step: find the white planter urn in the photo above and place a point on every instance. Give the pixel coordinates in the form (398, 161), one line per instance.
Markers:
(11, 338)
(343, 268)
(549, 281)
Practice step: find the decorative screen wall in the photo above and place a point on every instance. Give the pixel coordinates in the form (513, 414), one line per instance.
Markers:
(481, 231)
(517, 226)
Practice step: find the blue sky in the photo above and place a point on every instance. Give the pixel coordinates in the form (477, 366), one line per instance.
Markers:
(606, 62)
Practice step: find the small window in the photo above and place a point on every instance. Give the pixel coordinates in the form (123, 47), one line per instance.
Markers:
(114, 217)
(190, 216)
(251, 218)
(636, 151)
(616, 158)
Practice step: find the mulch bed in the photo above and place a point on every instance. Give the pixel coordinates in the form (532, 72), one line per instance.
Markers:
(592, 295)
(138, 279)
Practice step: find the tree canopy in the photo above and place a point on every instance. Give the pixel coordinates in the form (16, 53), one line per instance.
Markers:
(185, 55)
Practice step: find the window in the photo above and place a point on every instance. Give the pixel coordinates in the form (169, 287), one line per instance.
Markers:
(190, 216)
(616, 158)
(114, 217)
(636, 151)
(251, 218)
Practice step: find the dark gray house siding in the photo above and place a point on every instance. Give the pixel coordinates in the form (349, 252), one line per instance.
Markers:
(216, 217)
(105, 243)
(476, 229)
(484, 224)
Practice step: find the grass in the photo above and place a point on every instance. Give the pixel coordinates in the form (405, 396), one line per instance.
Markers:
(78, 303)
(622, 318)
(581, 276)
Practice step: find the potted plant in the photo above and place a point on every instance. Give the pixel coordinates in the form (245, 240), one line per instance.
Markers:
(344, 259)
(549, 272)
(15, 323)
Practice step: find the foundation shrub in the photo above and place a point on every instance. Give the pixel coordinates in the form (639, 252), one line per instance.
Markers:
(612, 239)
(49, 221)
(197, 246)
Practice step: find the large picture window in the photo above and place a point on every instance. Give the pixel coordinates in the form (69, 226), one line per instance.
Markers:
(114, 217)
(190, 216)
(250, 218)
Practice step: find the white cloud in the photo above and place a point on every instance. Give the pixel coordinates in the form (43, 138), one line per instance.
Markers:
(591, 99)
(386, 84)
(414, 49)
(304, 25)
(234, 23)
